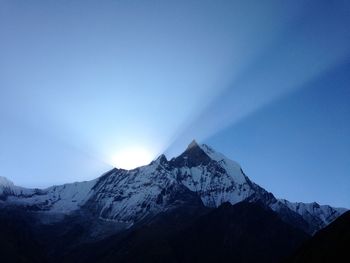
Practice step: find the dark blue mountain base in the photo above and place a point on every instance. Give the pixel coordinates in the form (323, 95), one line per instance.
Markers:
(331, 244)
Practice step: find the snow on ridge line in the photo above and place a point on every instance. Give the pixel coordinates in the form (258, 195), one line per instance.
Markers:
(217, 156)
(58, 198)
(232, 167)
(308, 206)
(119, 188)
(5, 182)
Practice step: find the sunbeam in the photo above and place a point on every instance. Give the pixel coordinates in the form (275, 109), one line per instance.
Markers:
(298, 57)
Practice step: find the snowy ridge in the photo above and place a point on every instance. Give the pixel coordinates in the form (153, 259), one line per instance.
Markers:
(59, 199)
(313, 212)
(220, 180)
(199, 176)
(129, 196)
(7, 187)
(4, 182)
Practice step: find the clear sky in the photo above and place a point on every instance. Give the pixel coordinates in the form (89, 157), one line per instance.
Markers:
(87, 85)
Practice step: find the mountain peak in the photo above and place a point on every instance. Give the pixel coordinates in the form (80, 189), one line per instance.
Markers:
(161, 159)
(193, 144)
(192, 156)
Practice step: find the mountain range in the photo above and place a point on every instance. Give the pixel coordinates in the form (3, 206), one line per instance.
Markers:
(175, 208)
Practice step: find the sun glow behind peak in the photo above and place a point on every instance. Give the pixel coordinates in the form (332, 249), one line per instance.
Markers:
(131, 158)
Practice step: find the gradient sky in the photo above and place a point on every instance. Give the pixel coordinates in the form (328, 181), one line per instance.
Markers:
(86, 83)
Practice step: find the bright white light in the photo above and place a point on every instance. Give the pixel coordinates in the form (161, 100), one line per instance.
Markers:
(131, 158)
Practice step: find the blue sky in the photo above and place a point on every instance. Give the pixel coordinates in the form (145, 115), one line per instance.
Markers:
(85, 83)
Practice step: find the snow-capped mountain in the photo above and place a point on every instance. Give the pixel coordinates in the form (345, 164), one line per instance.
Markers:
(129, 196)
(56, 199)
(8, 188)
(321, 215)
(199, 176)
